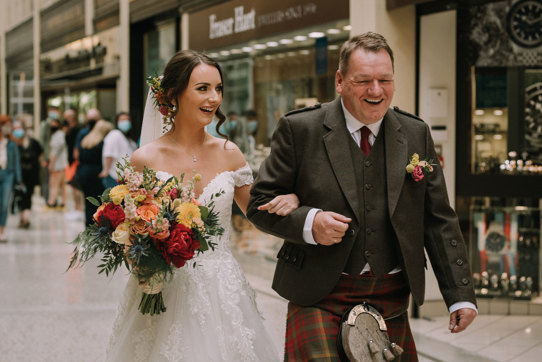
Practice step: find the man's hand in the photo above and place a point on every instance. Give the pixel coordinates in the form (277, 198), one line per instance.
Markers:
(461, 319)
(328, 227)
(281, 205)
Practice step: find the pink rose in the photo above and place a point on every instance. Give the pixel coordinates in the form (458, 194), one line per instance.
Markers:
(417, 174)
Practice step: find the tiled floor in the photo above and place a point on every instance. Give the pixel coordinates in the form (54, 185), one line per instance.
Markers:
(47, 314)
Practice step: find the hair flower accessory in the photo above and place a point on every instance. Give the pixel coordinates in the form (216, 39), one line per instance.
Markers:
(418, 169)
(165, 107)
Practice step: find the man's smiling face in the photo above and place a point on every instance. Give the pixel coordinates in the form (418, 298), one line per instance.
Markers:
(367, 87)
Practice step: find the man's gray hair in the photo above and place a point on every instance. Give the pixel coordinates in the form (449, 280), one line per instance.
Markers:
(369, 41)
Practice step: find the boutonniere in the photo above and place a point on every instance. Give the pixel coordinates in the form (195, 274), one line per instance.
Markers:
(418, 169)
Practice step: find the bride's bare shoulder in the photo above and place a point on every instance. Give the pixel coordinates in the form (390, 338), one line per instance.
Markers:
(147, 155)
(228, 154)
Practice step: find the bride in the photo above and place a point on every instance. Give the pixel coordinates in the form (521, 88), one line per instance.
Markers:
(211, 312)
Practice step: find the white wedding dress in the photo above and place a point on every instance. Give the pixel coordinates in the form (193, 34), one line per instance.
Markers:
(211, 311)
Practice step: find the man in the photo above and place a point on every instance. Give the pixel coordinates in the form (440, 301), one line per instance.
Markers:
(363, 221)
(45, 139)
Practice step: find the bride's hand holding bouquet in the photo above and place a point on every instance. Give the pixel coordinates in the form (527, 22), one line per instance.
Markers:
(152, 226)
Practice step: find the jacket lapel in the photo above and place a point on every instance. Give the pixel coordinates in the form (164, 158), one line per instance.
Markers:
(337, 146)
(396, 159)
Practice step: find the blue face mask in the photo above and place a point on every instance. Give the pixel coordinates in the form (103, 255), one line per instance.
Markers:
(53, 115)
(18, 133)
(252, 127)
(124, 125)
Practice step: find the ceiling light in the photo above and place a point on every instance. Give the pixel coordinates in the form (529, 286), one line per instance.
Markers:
(478, 137)
(224, 53)
(291, 54)
(347, 27)
(281, 55)
(333, 31)
(497, 136)
(316, 34)
(333, 47)
(286, 41)
(213, 55)
(304, 52)
(300, 37)
(236, 51)
(479, 112)
(272, 44)
(498, 112)
(247, 49)
(269, 57)
(260, 46)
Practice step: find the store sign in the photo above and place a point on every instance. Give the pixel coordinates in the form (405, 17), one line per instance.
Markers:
(242, 20)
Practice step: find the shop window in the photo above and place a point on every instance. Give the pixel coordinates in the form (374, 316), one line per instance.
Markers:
(507, 121)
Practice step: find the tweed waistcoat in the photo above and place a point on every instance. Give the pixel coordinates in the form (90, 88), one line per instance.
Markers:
(376, 242)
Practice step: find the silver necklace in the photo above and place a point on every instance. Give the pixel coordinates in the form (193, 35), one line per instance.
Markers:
(194, 156)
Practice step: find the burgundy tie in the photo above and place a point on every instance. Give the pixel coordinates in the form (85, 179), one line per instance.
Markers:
(364, 144)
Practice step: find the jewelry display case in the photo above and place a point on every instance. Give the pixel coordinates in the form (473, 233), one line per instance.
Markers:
(505, 251)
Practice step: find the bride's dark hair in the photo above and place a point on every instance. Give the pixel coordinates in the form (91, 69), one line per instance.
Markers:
(177, 74)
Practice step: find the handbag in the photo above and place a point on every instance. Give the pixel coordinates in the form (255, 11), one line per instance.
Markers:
(363, 336)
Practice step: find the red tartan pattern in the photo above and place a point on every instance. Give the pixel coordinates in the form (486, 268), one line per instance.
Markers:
(311, 332)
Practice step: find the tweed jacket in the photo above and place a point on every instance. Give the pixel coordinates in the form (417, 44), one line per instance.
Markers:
(311, 158)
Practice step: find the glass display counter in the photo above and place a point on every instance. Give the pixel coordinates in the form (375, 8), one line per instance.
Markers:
(505, 251)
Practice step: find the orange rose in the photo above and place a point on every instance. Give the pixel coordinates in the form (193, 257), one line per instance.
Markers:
(99, 211)
(148, 212)
(140, 227)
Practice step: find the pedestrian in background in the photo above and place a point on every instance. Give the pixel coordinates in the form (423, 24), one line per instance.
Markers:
(77, 195)
(30, 152)
(10, 171)
(58, 161)
(90, 165)
(117, 145)
(45, 139)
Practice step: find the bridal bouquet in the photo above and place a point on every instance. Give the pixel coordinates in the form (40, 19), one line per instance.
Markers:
(151, 226)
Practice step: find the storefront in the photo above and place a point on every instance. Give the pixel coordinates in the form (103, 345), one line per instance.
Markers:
(19, 69)
(78, 70)
(276, 56)
(498, 153)
(154, 39)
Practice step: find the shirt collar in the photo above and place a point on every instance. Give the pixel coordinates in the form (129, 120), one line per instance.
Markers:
(354, 125)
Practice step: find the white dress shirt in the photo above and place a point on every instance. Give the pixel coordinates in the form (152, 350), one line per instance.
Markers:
(354, 126)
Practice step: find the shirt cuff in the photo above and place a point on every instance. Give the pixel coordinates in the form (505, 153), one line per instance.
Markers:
(460, 305)
(307, 228)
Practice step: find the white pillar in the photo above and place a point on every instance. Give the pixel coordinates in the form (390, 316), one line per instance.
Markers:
(3, 70)
(36, 35)
(184, 31)
(123, 84)
(398, 26)
(89, 17)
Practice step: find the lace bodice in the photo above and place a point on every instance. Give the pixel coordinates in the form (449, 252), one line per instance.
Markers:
(211, 310)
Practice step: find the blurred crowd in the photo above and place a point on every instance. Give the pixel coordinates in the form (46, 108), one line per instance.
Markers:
(69, 161)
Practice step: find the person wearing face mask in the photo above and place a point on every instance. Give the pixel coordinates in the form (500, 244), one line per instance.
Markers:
(70, 116)
(10, 171)
(30, 152)
(117, 145)
(252, 130)
(58, 161)
(45, 139)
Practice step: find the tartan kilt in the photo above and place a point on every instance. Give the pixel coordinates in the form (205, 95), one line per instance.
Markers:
(311, 332)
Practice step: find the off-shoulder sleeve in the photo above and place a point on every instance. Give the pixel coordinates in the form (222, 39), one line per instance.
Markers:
(243, 176)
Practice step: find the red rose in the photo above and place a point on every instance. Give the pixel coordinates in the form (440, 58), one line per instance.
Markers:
(417, 174)
(180, 246)
(113, 213)
(163, 110)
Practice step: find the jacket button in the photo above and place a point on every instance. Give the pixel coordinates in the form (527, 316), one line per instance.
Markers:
(368, 231)
(368, 163)
(286, 257)
(368, 186)
(453, 243)
(465, 281)
(352, 231)
(459, 262)
(367, 253)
